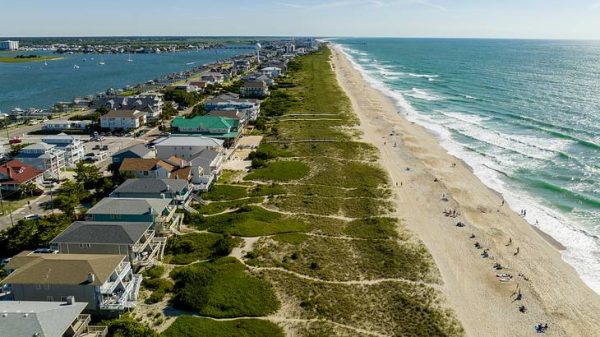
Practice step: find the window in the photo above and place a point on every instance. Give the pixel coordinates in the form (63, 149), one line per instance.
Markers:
(38, 287)
(49, 298)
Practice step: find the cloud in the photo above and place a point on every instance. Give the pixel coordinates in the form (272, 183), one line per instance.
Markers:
(376, 3)
(596, 5)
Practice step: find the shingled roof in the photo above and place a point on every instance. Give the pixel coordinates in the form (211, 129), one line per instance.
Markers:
(126, 233)
(72, 269)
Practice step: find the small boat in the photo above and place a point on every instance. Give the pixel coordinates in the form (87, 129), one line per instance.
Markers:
(101, 61)
(45, 63)
(190, 63)
(75, 66)
(129, 59)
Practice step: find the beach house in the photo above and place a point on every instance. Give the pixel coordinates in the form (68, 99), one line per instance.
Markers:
(65, 125)
(14, 174)
(179, 190)
(134, 151)
(223, 128)
(105, 282)
(123, 120)
(71, 145)
(229, 101)
(254, 89)
(135, 240)
(160, 212)
(48, 319)
(45, 157)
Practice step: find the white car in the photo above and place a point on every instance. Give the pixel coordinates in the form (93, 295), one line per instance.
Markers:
(31, 217)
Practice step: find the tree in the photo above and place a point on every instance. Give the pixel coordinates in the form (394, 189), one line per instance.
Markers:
(31, 234)
(88, 175)
(27, 189)
(70, 196)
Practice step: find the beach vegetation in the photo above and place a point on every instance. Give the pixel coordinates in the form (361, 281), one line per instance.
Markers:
(280, 171)
(188, 248)
(188, 326)
(225, 192)
(251, 221)
(222, 288)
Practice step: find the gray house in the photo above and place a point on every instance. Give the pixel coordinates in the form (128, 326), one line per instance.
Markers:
(47, 319)
(159, 212)
(105, 282)
(135, 151)
(135, 240)
(177, 189)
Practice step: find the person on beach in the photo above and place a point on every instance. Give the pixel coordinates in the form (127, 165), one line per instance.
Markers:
(502, 202)
(517, 252)
(509, 242)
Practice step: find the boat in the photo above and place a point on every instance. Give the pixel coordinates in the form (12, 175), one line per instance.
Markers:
(101, 61)
(75, 66)
(190, 63)
(45, 63)
(129, 59)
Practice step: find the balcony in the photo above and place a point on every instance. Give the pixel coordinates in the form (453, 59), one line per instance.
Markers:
(124, 299)
(81, 328)
(121, 272)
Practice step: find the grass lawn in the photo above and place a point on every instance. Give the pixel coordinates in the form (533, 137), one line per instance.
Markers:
(222, 288)
(13, 205)
(187, 326)
(251, 221)
(280, 171)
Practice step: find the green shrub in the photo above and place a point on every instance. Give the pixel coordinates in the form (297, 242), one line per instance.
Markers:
(280, 171)
(187, 326)
(222, 289)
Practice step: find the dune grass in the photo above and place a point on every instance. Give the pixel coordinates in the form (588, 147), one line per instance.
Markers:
(390, 308)
(222, 206)
(222, 288)
(220, 192)
(280, 171)
(185, 249)
(251, 221)
(188, 326)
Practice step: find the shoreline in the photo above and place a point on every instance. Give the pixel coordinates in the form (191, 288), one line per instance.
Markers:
(555, 293)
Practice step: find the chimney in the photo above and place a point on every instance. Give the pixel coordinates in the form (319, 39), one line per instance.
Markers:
(71, 299)
(91, 278)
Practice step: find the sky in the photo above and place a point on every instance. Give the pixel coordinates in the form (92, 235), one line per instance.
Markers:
(552, 19)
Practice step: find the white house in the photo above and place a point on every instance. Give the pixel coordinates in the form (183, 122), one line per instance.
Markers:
(206, 168)
(45, 157)
(63, 124)
(186, 147)
(123, 120)
(71, 145)
(271, 71)
(212, 77)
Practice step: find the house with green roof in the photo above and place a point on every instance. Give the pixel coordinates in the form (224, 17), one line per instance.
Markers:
(224, 128)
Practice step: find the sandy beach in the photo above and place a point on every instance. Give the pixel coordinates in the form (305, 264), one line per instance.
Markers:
(424, 172)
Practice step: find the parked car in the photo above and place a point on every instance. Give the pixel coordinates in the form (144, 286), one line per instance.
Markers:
(96, 147)
(45, 251)
(105, 147)
(31, 217)
(47, 183)
(15, 140)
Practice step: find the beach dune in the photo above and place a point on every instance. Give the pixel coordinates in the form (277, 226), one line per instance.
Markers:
(430, 181)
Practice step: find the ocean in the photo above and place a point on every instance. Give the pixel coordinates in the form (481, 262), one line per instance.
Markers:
(524, 114)
(34, 84)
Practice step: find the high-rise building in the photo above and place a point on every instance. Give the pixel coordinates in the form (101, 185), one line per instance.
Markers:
(9, 45)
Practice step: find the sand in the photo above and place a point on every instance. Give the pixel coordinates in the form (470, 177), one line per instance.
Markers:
(554, 293)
